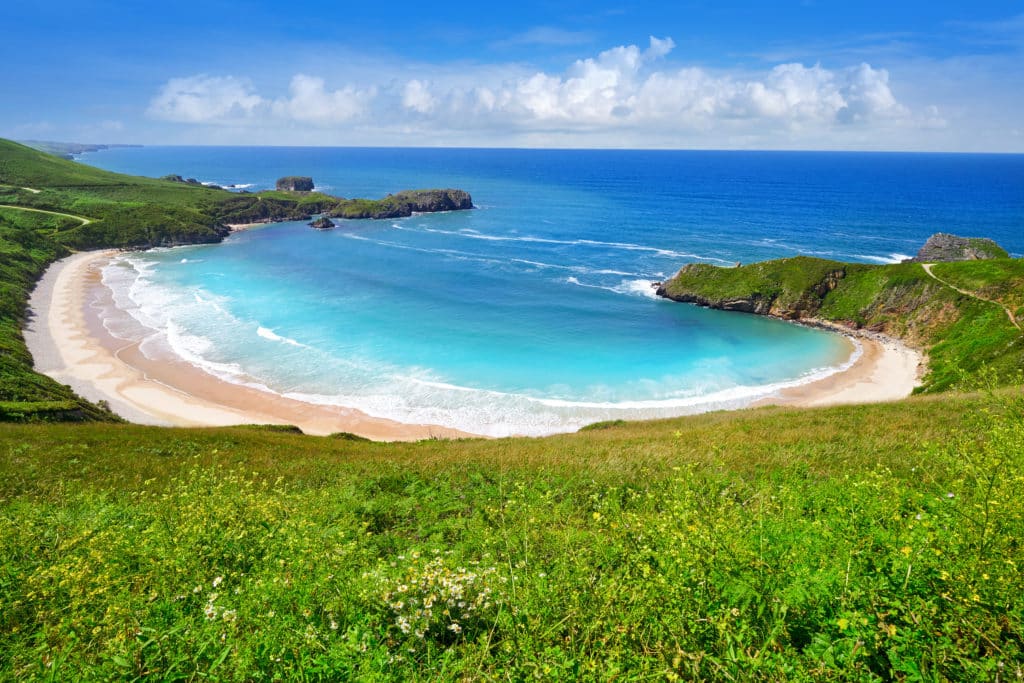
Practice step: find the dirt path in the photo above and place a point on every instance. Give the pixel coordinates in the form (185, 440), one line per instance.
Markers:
(85, 221)
(27, 189)
(1009, 314)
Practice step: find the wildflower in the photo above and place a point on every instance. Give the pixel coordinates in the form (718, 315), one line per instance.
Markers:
(217, 581)
(210, 611)
(334, 624)
(454, 627)
(949, 495)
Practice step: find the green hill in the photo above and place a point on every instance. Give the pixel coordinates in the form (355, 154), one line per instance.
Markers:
(876, 542)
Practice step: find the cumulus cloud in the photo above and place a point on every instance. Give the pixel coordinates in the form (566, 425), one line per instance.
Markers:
(625, 88)
(310, 101)
(417, 97)
(202, 99)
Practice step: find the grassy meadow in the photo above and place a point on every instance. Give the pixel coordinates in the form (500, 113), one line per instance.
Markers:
(854, 543)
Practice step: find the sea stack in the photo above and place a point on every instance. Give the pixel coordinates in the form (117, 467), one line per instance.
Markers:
(295, 183)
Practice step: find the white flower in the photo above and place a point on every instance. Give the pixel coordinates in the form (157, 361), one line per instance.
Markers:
(217, 581)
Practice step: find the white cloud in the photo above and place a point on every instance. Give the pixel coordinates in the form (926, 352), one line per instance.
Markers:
(202, 98)
(311, 102)
(416, 96)
(624, 93)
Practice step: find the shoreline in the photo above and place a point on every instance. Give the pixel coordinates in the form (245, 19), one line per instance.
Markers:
(887, 370)
(68, 342)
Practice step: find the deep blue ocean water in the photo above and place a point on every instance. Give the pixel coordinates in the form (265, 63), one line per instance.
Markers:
(533, 313)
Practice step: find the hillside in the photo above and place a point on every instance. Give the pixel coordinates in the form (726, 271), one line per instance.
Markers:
(955, 312)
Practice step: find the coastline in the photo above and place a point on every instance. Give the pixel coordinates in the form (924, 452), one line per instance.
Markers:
(68, 342)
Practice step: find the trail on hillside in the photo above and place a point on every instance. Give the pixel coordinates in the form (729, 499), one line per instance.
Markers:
(85, 221)
(1009, 314)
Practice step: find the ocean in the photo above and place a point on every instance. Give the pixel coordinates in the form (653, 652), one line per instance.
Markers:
(533, 313)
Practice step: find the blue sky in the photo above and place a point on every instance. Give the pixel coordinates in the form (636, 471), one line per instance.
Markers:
(811, 74)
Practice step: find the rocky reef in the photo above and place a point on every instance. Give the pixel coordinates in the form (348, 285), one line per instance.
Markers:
(295, 183)
(322, 223)
(945, 247)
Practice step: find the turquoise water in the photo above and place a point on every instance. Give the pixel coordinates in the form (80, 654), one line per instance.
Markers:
(533, 313)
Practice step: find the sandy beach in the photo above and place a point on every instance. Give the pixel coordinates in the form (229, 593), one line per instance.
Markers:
(887, 370)
(69, 343)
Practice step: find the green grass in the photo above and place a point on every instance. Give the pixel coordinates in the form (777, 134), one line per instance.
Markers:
(787, 282)
(864, 543)
(1000, 280)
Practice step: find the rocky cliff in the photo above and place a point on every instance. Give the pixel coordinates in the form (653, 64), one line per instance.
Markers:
(945, 247)
(787, 288)
(295, 183)
(404, 204)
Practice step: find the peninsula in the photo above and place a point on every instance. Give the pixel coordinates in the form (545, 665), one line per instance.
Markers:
(963, 311)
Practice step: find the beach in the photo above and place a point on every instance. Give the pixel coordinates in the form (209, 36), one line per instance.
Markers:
(887, 370)
(69, 343)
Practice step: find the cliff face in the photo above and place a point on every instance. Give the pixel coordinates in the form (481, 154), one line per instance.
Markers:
(404, 204)
(789, 288)
(945, 247)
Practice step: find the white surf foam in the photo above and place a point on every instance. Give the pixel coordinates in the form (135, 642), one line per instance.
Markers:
(891, 258)
(626, 246)
(629, 287)
(268, 333)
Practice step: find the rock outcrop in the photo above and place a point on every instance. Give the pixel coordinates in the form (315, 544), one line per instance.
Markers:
(791, 289)
(322, 223)
(944, 247)
(175, 178)
(295, 183)
(404, 204)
